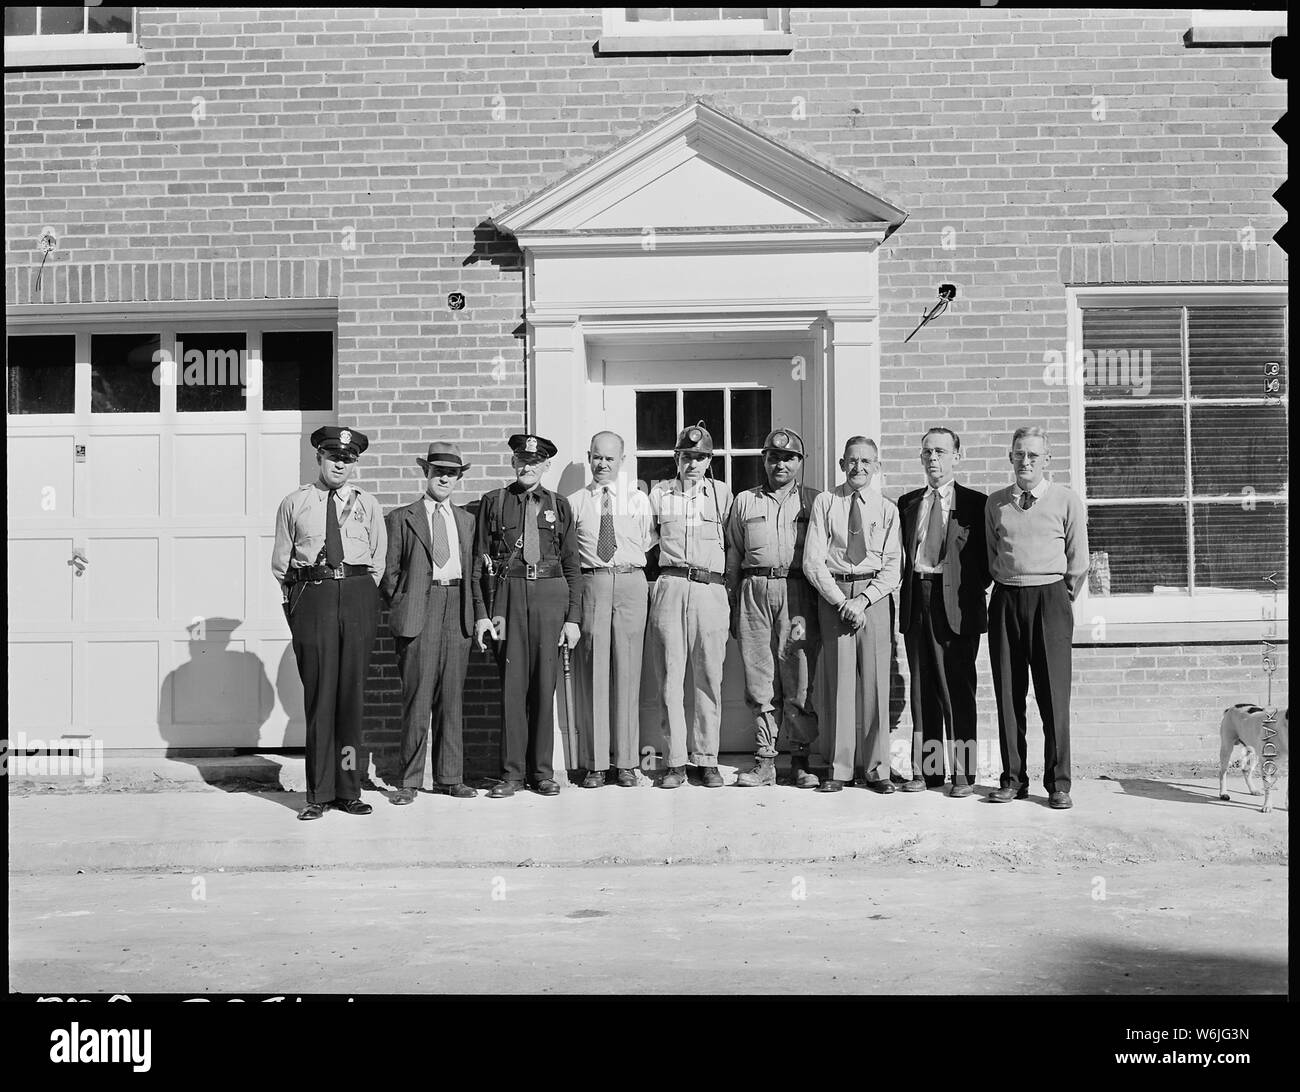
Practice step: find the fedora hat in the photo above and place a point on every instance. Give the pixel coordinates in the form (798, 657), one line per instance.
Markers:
(443, 454)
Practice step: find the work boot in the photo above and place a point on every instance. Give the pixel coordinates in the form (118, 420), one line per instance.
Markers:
(763, 773)
(710, 778)
(675, 776)
(803, 778)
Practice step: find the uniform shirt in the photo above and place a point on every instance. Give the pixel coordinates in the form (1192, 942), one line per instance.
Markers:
(691, 524)
(767, 529)
(300, 530)
(633, 523)
(1041, 545)
(947, 495)
(828, 540)
(442, 510)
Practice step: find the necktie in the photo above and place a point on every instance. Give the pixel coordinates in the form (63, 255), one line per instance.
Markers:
(605, 545)
(333, 540)
(532, 554)
(856, 553)
(932, 548)
(1026, 500)
(441, 548)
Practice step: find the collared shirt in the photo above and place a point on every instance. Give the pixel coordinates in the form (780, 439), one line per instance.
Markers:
(1017, 493)
(442, 510)
(828, 541)
(634, 530)
(300, 530)
(690, 524)
(767, 529)
(947, 493)
(1040, 545)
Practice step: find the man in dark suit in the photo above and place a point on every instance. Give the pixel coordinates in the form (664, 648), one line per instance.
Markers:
(427, 585)
(945, 575)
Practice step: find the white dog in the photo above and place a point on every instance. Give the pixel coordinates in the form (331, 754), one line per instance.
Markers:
(1249, 726)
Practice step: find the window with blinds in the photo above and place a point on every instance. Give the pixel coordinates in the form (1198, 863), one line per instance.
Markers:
(1185, 448)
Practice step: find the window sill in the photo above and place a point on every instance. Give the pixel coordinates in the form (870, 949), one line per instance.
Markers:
(763, 42)
(1222, 37)
(1254, 632)
(18, 58)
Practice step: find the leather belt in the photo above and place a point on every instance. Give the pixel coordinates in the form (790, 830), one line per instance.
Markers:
(849, 578)
(699, 576)
(323, 572)
(611, 569)
(454, 582)
(543, 570)
(927, 576)
(774, 572)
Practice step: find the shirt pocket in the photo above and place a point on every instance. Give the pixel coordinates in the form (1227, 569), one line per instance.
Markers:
(356, 528)
(756, 532)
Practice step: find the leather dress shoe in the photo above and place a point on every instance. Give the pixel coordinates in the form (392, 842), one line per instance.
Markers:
(353, 807)
(627, 779)
(710, 778)
(403, 796)
(1060, 800)
(1006, 794)
(915, 785)
(883, 787)
(595, 779)
(831, 785)
(961, 790)
(312, 811)
(503, 789)
(675, 776)
(547, 788)
(460, 791)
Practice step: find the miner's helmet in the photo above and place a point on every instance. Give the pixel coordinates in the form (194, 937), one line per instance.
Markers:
(784, 440)
(695, 440)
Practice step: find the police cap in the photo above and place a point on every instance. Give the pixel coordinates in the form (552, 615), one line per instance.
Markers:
(530, 448)
(784, 440)
(339, 438)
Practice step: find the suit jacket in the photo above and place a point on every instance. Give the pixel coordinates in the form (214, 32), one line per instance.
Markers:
(965, 563)
(409, 568)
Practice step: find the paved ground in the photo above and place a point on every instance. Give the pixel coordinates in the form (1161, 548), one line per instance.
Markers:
(1147, 886)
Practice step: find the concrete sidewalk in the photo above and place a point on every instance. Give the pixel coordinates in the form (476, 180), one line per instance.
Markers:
(1128, 820)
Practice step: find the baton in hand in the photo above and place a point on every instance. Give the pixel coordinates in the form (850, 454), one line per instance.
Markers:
(571, 734)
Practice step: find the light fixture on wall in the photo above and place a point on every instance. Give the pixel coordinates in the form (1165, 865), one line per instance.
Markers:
(947, 293)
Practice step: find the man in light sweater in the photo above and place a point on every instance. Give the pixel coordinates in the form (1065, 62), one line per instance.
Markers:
(1037, 534)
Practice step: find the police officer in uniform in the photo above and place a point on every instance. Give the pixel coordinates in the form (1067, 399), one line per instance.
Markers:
(774, 609)
(330, 545)
(689, 606)
(529, 603)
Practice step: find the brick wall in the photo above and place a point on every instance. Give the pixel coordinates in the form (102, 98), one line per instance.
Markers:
(1011, 137)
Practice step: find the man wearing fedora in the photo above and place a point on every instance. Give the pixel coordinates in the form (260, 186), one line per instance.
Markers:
(427, 586)
(328, 559)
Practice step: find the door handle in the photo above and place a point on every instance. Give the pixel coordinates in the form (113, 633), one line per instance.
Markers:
(79, 560)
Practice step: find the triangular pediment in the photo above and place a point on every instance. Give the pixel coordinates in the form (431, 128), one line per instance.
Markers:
(703, 170)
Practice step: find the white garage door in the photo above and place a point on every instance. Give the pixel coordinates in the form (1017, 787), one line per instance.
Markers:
(145, 461)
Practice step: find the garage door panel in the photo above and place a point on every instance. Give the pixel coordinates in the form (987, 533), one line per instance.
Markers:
(286, 725)
(123, 579)
(124, 472)
(265, 607)
(210, 474)
(218, 681)
(40, 477)
(40, 687)
(122, 681)
(208, 577)
(40, 580)
(287, 462)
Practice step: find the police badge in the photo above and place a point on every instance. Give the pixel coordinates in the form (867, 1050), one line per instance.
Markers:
(345, 437)
(550, 515)
(530, 445)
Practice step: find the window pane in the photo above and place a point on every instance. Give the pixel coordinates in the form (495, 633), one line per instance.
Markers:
(692, 15)
(211, 372)
(122, 377)
(704, 406)
(747, 472)
(20, 21)
(63, 20)
(298, 370)
(1229, 347)
(109, 20)
(42, 372)
(718, 465)
(1143, 548)
(1235, 448)
(1134, 451)
(656, 419)
(1237, 547)
(751, 418)
(1136, 352)
(648, 15)
(655, 468)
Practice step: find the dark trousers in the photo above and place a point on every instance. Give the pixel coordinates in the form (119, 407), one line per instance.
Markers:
(432, 667)
(1030, 633)
(529, 662)
(334, 624)
(942, 668)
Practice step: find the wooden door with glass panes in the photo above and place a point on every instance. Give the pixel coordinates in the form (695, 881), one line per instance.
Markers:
(648, 402)
(146, 459)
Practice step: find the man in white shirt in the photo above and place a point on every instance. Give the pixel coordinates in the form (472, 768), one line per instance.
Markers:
(614, 526)
(426, 583)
